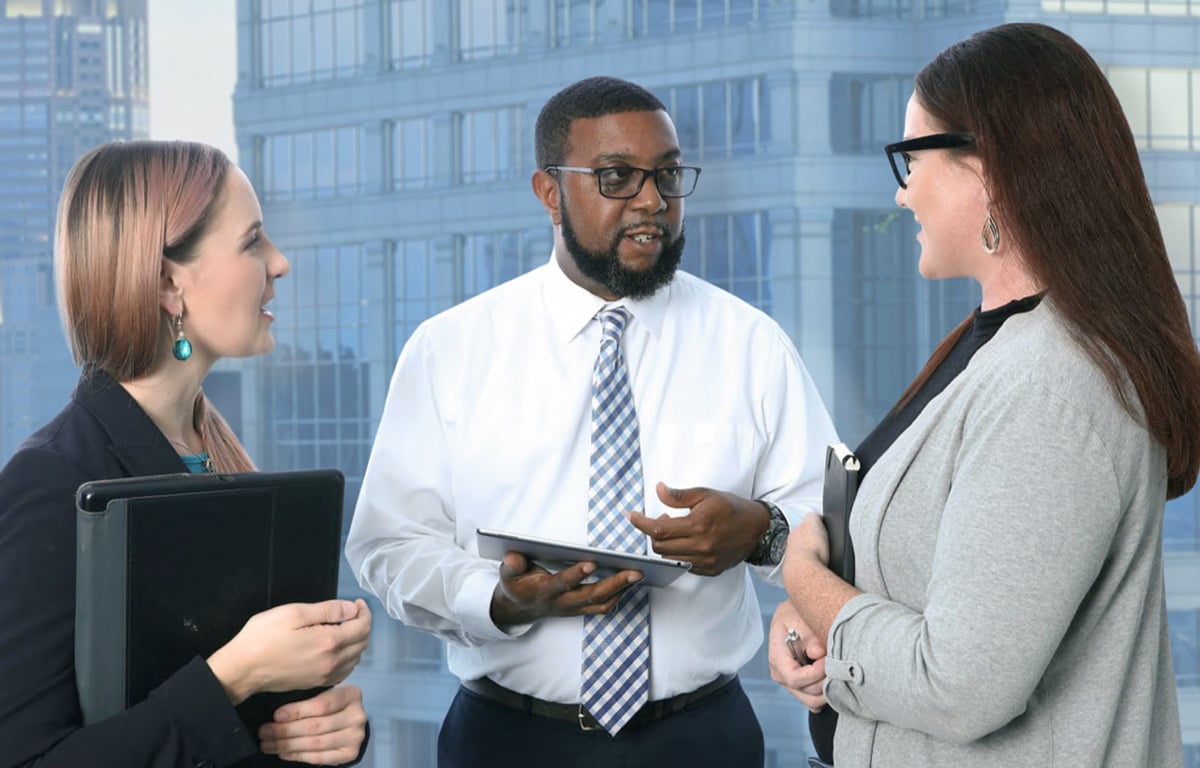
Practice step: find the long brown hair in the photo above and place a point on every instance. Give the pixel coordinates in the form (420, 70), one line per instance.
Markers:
(1068, 191)
(125, 207)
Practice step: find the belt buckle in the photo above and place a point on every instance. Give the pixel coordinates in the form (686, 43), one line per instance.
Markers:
(587, 722)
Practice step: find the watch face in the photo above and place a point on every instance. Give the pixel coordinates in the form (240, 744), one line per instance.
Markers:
(778, 547)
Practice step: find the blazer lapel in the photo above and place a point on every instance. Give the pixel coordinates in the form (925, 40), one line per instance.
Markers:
(135, 440)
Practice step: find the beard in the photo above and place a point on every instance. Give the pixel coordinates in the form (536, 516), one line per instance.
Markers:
(605, 267)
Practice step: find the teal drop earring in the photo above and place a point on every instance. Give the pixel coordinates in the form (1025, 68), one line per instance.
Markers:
(182, 348)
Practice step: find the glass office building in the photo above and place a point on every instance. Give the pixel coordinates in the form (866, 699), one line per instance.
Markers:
(72, 75)
(391, 144)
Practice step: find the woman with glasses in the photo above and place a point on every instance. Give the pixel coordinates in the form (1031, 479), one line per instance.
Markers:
(1008, 605)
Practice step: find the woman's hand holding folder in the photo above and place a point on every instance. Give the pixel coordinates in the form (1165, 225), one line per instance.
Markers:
(327, 729)
(293, 647)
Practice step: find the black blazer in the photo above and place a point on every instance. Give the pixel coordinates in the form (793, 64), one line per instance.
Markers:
(188, 722)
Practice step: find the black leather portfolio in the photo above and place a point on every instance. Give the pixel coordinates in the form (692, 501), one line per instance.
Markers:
(841, 486)
(171, 566)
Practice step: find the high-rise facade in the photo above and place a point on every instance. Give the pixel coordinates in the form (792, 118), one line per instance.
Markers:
(73, 74)
(391, 145)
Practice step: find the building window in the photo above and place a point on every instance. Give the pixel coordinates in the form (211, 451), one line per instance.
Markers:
(1162, 105)
(720, 120)
(495, 257)
(1185, 629)
(866, 111)
(887, 319)
(414, 742)
(1124, 7)
(488, 28)
(731, 251)
(311, 164)
(305, 40)
(491, 145)
(410, 153)
(904, 9)
(1180, 224)
(426, 282)
(317, 379)
(656, 18)
(410, 33)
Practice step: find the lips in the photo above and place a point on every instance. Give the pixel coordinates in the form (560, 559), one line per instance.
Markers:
(645, 234)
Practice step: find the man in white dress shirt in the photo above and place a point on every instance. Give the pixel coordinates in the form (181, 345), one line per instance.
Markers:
(489, 423)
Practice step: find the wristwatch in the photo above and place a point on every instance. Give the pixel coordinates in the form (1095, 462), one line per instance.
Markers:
(771, 548)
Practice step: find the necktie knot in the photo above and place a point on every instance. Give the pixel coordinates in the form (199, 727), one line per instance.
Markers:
(613, 322)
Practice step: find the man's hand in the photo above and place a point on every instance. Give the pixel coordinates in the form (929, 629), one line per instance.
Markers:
(806, 682)
(526, 594)
(720, 531)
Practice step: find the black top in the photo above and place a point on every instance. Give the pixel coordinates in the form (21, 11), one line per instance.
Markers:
(984, 325)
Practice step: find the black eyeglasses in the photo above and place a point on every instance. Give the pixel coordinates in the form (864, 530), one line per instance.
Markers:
(622, 182)
(933, 141)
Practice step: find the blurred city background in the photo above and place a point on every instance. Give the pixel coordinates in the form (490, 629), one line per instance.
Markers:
(391, 145)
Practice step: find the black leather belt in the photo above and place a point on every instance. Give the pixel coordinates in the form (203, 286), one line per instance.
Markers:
(577, 713)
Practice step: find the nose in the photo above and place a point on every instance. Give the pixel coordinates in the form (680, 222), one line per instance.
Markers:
(648, 197)
(901, 197)
(280, 265)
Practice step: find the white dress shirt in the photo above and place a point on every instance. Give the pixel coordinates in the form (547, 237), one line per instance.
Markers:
(487, 424)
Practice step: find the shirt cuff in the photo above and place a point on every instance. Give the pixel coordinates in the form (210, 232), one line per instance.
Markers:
(474, 609)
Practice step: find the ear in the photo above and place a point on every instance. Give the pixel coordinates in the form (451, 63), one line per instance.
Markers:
(170, 293)
(545, 186)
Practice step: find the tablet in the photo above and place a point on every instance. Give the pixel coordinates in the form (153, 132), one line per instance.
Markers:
(555, 555)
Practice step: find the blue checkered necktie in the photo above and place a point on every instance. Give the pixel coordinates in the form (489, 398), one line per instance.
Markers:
(616, 646)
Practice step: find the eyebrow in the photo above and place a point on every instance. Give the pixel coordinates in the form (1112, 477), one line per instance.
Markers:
(250, 230)
(623, 157)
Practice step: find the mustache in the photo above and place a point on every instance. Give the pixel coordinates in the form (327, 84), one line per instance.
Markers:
(664, 229)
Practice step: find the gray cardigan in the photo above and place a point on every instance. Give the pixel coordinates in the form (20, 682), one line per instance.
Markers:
(1010, 547)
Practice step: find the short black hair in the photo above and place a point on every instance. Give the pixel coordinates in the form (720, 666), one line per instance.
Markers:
(591, 97)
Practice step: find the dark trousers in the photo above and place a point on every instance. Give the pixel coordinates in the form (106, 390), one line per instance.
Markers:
(720, 731)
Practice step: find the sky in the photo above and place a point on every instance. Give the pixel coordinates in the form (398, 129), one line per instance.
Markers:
(193, 70)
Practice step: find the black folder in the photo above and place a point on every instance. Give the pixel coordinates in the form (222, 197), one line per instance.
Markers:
(837, 498)
(169, 567)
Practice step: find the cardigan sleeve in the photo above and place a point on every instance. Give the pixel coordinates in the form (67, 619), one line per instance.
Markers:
(1031, 504)
(187, 722)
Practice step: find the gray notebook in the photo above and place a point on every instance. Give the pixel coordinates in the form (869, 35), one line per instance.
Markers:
(169, 567)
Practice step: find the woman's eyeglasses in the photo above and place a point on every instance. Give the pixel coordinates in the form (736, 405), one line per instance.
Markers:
(933, 141)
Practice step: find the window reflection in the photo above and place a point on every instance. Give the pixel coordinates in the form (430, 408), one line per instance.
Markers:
(302, 41)
(1162, 105)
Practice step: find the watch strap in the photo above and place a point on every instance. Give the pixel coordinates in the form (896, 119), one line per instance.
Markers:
(776, 527)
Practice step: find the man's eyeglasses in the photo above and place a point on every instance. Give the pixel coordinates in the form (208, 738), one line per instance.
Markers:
(933, 141)
(622, 182)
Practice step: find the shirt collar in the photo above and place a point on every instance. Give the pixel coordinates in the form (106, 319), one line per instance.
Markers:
(572, 306)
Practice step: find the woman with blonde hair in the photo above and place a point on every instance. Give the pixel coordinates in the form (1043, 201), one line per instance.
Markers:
(162, 267)
(1008, 605)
